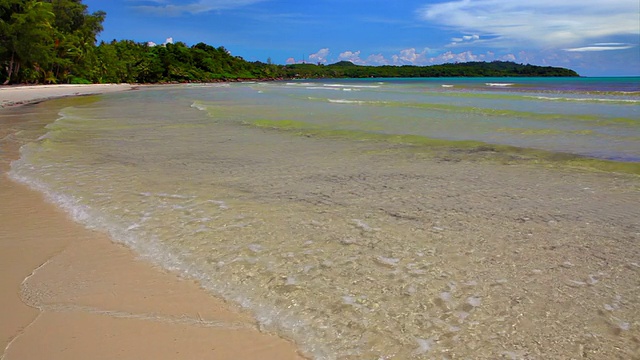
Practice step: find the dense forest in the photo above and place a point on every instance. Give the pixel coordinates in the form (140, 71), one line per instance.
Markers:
(54, 41)
(468, 69)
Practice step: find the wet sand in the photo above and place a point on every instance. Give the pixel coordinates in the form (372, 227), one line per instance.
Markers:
(71, 293)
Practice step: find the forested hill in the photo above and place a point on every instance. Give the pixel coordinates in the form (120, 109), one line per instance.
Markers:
(54, 41)
(469, 69)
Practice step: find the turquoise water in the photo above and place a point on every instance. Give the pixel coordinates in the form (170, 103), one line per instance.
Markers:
(591, 117)
(362, 249)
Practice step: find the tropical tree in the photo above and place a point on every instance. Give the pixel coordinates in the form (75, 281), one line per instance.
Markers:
(75, 32)
(26, 39)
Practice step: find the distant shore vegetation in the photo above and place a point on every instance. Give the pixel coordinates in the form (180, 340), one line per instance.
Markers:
(467, 69)
(54, 42)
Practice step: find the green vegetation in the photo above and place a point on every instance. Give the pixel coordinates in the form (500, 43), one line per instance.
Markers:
(47, 41)
(54, 41)
(345, 69)
(126, 61)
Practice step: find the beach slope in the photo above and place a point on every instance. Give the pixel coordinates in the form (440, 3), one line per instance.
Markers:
(28, 94)
(71, 293)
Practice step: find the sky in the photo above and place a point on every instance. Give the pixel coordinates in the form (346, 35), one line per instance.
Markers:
(593, 37)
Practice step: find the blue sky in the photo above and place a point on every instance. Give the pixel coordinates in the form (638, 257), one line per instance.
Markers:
(593, 37)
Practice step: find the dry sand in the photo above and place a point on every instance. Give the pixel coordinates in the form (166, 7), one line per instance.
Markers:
(71, 293)
(25, 94)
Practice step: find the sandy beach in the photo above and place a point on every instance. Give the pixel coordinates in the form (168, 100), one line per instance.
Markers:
(354, 249)
(28, 94)
(71, 293)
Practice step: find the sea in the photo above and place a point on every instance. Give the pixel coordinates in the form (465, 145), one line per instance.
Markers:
(343, 213)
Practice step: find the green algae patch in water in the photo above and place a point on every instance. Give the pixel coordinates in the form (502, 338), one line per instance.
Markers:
(457, 150)
(597, 119)
(605, 165)
(307, 129)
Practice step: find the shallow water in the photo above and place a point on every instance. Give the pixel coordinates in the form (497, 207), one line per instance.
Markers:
(586, 118)
(364, 249)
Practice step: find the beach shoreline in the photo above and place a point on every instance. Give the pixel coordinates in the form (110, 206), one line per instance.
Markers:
(70, 292)
(18, 95)
(354, 249)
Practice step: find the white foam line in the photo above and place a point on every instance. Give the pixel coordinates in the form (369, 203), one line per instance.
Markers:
(267, 316)
(499, 84)
(200, 107)
(24, 282)
(322, 88)
(6, 349)
(22, 286)
(354, 86)
(344, 101)
(583, 99)
(182, 320)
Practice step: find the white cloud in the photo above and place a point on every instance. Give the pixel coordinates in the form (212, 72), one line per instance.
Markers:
(410, 57)
(169, 40)
(166, 8)
(319, 57)
(353, 56)
(541, 23)
(449, 56)
(601, 47)
(611, 44)
(508, 57)
(376, 59)
(465, 39)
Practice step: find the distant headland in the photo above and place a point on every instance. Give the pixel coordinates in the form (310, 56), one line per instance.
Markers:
(347, 69)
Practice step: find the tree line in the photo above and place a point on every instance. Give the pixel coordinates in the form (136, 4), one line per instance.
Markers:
(346, 69)
(54, 41)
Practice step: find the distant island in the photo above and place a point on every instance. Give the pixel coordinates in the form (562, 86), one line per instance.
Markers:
(468, 69)
(55, 43)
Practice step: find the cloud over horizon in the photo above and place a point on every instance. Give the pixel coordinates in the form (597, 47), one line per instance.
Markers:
(410, 56)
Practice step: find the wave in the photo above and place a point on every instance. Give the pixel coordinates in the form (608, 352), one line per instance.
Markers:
(199, 106)
(486, 111)
(499, 84)
(353, 86)
(345, 101)
(322, 88)
(132, 235)
(606, 100)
